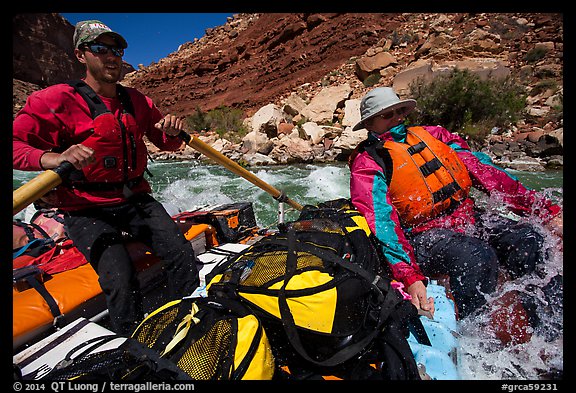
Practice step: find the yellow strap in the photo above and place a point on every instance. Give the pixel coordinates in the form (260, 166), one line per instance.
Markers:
(158, 310)
(182, 329)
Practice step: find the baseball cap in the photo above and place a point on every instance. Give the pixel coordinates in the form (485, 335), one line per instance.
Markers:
(89, 30)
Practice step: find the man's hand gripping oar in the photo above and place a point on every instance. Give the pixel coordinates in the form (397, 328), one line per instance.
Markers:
(58, 167)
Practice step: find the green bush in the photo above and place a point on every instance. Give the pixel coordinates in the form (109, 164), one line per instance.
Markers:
(462, 102)
(535, 54)
(198, 120)
(542, 86)
(225, 121)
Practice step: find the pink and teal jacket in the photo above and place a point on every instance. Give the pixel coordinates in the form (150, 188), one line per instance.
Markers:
(369, 194)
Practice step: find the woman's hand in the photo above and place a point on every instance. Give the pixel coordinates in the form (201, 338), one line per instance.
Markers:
(418, 292)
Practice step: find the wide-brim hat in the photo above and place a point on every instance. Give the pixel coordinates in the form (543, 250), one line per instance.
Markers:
(380, 100)
(89, 30)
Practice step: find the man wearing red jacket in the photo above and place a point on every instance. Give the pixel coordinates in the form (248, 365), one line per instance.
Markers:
(413, 186)
(107, 194)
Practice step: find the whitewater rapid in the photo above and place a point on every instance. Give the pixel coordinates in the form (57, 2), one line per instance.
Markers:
(481, 355)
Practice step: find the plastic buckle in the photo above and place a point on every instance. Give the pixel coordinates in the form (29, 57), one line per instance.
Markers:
(59, 322)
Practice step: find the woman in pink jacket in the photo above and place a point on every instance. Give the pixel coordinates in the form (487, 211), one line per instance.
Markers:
(412, 183)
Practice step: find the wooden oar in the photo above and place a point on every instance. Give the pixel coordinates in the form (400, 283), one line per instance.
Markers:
(40, 185)
(221, 159)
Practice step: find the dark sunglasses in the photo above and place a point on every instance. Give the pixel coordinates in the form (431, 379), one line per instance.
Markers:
(102, 49)
(391, 114)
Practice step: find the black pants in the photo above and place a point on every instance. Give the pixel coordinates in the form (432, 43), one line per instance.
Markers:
(472, 261)
(97, 233)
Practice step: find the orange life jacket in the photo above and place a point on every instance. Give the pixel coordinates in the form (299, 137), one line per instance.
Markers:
(427, 176)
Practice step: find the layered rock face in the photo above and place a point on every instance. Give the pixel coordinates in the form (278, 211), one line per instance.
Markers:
(254, 59)
(281, 68)
(43, 53)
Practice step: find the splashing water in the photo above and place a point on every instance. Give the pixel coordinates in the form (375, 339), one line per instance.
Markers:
(513, 341)
(536, 354)
(202, 185)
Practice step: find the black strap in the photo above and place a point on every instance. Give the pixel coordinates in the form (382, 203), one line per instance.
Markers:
(379, 154)
(218, 251)
(379, 284)
(417, 328)
(430, 167)
(89, 345)
(53, 344)
(48, 213)
(96, 105)
(38, 286)
(446, 192)
(29, 232)
(417, 148)
(387, 306)
(124, 98)
(107, 186)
